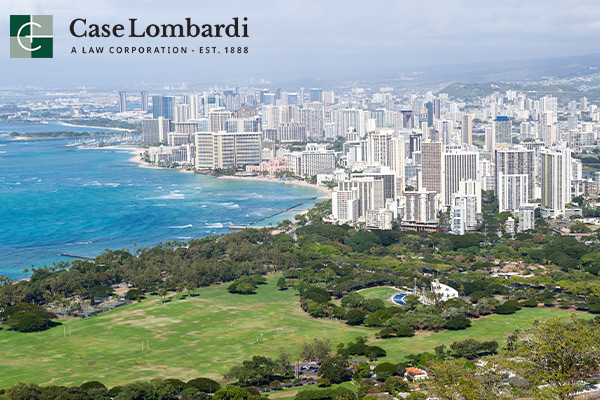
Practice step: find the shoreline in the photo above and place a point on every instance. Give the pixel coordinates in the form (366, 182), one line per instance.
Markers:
(326, 192)
(93, 127)
(136, 158)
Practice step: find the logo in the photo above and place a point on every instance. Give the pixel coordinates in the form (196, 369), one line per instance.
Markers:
(31, 36)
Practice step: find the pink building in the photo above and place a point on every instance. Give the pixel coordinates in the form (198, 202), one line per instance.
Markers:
(270, 166)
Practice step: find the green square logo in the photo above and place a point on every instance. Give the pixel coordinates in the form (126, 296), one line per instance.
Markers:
(31, 36)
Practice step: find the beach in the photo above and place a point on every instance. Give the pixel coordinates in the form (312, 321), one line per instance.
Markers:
(326, 191)
(135, 152)
(93, 127)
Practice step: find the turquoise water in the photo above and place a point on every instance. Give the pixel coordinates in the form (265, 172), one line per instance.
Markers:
(56, 200)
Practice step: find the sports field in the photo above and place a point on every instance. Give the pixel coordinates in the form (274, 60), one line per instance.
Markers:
(199, 336)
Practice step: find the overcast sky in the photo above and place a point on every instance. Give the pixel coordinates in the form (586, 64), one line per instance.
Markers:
(310, 38)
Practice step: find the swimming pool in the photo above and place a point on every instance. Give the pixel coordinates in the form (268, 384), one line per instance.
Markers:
(398, 299)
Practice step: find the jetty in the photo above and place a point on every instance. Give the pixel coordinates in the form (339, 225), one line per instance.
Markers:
(74, 256)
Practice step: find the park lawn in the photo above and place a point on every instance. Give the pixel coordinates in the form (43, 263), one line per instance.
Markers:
(381, 292)
(493, 327)
(201, 336)
(191, 337)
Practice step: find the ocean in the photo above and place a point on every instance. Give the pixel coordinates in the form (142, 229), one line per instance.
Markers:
(60, 200)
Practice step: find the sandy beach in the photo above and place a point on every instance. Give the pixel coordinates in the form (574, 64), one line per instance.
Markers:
(136, 158)
(326, 191)
(93, 127)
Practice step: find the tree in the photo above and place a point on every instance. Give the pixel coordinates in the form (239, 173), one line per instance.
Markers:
(230, 392)
(355, 316)
(385, 370)
(361, 370)
(282, 283)
(335, 368)
(557, 355)
(459, 379)
(258, 371)
(205, 385)
(27, 317)
(457, 323)
(318, 349)
(580, 227)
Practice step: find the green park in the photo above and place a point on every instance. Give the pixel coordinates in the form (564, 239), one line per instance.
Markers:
(205, 334)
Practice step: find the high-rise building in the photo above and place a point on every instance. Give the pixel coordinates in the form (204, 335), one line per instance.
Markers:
(459, 164)
(316, 95)
(370, 193)
(227, 150)
(144, 101)
(163, 106)
(291, 132)
(501, 130)
(252, 124)
(429, 113)
(379, 219)
(513, 162)
(217, 119)
(155, 131)
(527, 216)
(512, 191)
(316, 160)
(467, 129)
(122, 101)
(420, 206)
(346, 119)
(386, 175)
(556, 178)
(344, 205)
(431, 166)
(467, 204)
(445, 130)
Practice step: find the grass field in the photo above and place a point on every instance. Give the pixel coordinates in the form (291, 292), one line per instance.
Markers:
(191, 337)
(199, 336)
(382, 292)
(493, 327)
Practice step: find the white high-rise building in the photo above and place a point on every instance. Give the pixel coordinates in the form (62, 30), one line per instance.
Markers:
(370, 193)
(344, 205)
(458, 164)
(467, 203)
(350, 118)
(527, 216)
(512, 191)
(514, 162)
(227, 150)
(556, 178)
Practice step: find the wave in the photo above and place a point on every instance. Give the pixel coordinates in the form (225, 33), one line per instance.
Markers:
(173, 195)
(77, 243)
(180, 227)
(184, 237)
(94, 183)
(217, 225)
(203, 206)
(112, 184)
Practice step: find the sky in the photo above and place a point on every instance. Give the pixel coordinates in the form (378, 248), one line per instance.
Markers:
(293, 39)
